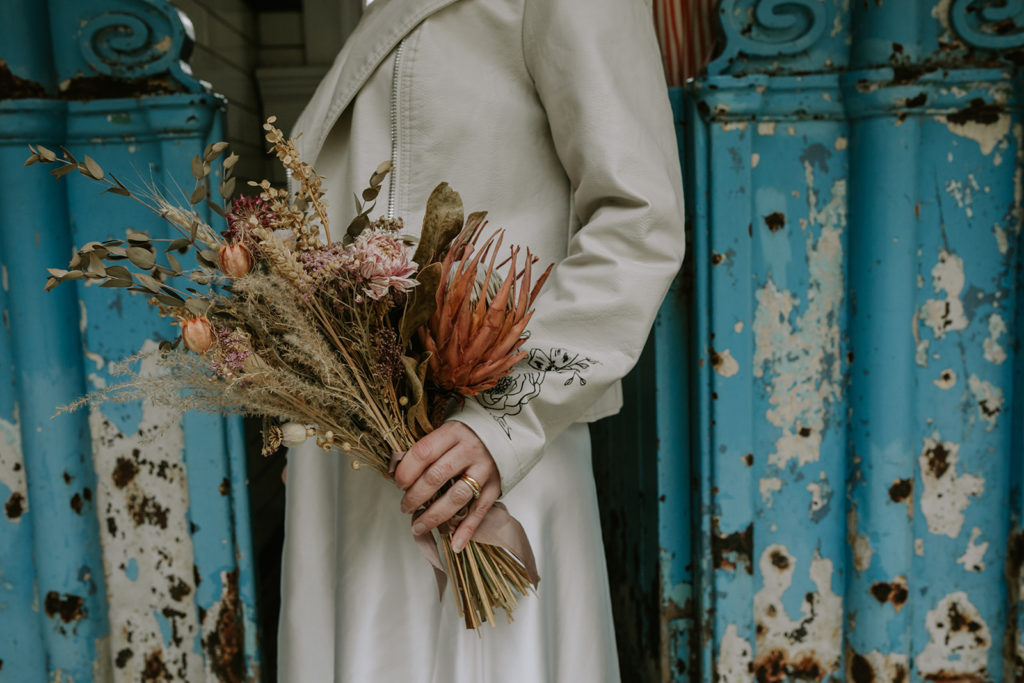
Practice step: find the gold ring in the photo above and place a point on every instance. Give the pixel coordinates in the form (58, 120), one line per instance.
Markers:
(472, 483)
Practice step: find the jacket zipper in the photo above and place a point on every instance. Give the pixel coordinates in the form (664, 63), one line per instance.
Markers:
(394, 130)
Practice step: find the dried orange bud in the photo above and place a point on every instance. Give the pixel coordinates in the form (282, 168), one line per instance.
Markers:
(235, 260)
(198, 334)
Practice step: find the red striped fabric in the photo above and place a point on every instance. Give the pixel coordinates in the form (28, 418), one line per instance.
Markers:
(684, 31)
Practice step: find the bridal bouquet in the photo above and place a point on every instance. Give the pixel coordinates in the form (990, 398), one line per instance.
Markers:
(353, 343)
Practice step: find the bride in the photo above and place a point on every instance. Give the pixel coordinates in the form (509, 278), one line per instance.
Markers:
(553, 116)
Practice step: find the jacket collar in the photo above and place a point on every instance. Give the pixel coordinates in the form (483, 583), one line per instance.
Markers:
(384, 25)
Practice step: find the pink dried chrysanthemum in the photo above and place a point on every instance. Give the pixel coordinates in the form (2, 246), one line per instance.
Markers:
(381, 263)
(246, 214)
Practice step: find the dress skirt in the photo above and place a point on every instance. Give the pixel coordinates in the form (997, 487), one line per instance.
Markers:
(359, 602)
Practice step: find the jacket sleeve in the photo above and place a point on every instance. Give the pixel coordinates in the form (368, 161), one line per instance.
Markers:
(598, 74)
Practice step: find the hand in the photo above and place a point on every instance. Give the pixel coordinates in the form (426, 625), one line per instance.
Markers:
(451, 450)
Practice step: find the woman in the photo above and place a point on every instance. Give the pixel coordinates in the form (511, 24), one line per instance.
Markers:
(553, 116)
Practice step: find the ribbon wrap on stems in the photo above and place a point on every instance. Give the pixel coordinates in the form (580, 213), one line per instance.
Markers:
(498, 528)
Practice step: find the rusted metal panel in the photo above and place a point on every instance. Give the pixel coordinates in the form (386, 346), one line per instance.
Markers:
(855, 184)
(139, 565)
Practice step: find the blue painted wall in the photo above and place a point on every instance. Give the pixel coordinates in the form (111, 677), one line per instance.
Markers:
(124, 545)
(855, 189)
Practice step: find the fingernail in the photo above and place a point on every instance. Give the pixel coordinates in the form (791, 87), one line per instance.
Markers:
(418, 528)
(458, 544)
(406, 509)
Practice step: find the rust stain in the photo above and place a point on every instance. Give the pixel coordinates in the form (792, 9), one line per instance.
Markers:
(859, 669)
(775, 666)
(101, 87)
(14, 87)
(124, 472)
(225, 487)
(179, 589)
(15, 505)
(69, 608)
(146, 510)
(938, 460)
(775, 221)
(894, 592)
(76, 503)
(729, 550)
(122, 658)
(901, 489)
(978, 111)
(1013, 651)
(224, 645)
(155, 669)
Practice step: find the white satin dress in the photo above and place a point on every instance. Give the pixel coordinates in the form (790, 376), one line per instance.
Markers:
(359, 602)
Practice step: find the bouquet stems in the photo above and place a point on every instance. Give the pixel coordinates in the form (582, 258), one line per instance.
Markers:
(483, 578)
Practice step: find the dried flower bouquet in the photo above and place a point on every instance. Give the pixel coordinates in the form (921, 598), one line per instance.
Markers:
(354, 344)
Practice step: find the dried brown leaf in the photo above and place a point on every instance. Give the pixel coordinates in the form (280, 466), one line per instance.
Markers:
(141, 257)
(441, 223)
(94, 169)
(422, 302)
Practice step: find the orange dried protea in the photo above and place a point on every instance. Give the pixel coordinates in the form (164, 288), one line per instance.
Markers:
(474, 338)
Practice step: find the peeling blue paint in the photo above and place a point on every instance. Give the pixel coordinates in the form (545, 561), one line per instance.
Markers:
(102, 574)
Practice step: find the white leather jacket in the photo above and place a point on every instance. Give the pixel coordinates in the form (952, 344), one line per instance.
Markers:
(553, 116)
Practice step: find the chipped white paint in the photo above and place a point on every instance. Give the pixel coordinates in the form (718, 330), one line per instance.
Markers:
(734, 125)
(821, 494)
(994, 352)
(947, 493)
(919, 547)
(738, 327)
(1002, 241)
(963, 193)
(766, 128)
(947, 379)
(946, 314)
(735, 658)
(820, 623)
(797, 352)
(767, 486)
(989, 398)
(973, 558)
(142, 499)
(987, 135)
(726, 365)
(12, 463)
(959, 641)
(860, 545)
(888, 666)
(841, 143)
(102, 667)
(920, 345)
(755, 159)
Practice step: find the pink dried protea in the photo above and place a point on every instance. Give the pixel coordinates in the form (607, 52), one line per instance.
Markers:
(474, 340)
(381, 263)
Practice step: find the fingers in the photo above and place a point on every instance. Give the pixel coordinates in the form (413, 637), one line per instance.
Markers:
(477, 511)
(423, 454)
(447, 506)
(450, 465)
